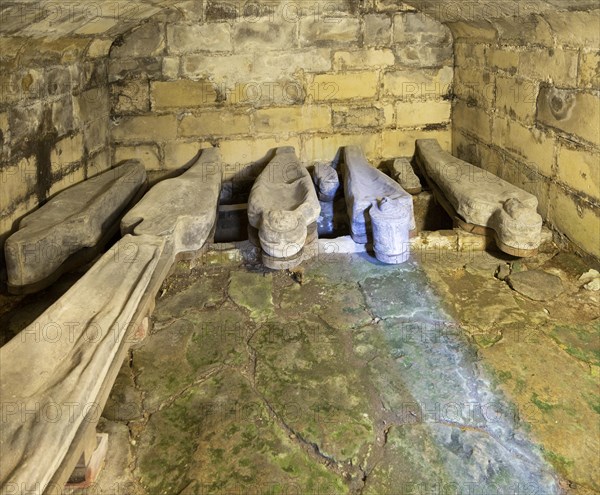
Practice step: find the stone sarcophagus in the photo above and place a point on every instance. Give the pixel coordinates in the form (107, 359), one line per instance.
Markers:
(282, 210)
(182, 209)
(481, 202)
(62, 366)
(71, 228)
(369, 190)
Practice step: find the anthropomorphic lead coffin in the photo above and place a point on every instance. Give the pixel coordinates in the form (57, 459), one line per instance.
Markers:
(479, 200)
(182, 209)
(364, 185)
(71, 228)
(283, 209)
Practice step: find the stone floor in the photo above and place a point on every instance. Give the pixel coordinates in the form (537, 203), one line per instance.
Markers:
(352, 377)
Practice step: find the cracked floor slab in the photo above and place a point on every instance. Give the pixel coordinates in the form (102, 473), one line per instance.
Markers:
(360, 378)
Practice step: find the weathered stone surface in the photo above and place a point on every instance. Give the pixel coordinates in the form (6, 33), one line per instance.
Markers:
(282, 204)
(571, 111)
(536, 284)
(482, 199)
(391, 224)
(182, 209)
(403, 173)
(79, 218)
(326, 181)
(57, 366)
(591, 280)
(364, 184)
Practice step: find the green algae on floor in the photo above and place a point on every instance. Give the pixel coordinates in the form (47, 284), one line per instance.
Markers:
(253, 291)
(332, 385)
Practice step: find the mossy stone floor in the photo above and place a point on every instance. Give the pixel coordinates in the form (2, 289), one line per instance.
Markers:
(354, 377)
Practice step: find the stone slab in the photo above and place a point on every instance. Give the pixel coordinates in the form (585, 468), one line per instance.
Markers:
(480, 200)
(536, 284)
(183, 209)
(364, 184)
(53, 371)
(70, 228)
(282, 204)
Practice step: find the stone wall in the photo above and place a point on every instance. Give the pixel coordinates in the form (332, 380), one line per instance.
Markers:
(528, 109)
(54, 124)
(250, 77)
(54, 97)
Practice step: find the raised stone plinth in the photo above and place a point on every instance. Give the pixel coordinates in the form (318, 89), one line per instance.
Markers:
(363, 185)
(53, 373)
(402, 172)
(481, 202)
(282, 210)
(71, 228)
(182, 209)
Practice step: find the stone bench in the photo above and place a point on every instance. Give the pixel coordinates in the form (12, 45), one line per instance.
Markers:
(56, 374)
(182, 209)
(480, 202)
(283, 209)
(365, 187)
(71, 228)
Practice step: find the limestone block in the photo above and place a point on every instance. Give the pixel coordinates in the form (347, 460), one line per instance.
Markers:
(215, 122)
(402, 172)
(344, 86)
(146, 41)
(317, 30)
(211, 37)
(419, 28)
(579, 220)
(68, 228)
(293, 119)
(481, 199)
(130, 96)
(418, 83)
(516, 98)
(571, 111)
(53, 372)
(363, 59)
(182, 94)
(474, 120)
(418, 55)
(67, 151)
(589, 70)
(145, 128)
(580, 170)
(364, 184)
(146, 154)
(377, 30)
(263, 35)
(420, 113)
(183, 210)
(555, 64)
(350, 116)
(283, 207)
